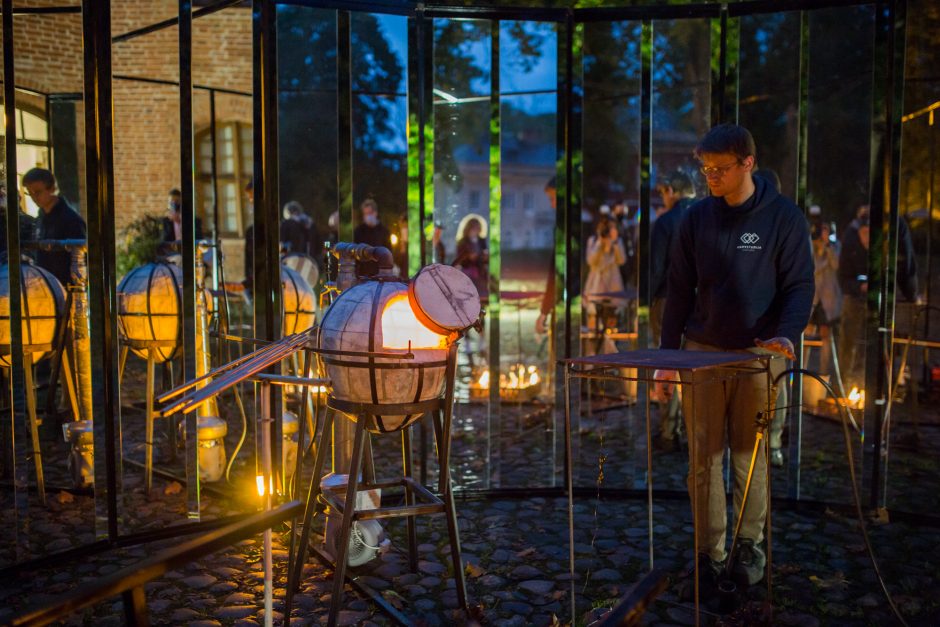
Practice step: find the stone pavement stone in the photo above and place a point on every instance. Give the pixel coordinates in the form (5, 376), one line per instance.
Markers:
(520, 548)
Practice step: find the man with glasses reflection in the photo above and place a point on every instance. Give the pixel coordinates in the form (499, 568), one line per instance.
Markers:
(57, 221)
(740, 279)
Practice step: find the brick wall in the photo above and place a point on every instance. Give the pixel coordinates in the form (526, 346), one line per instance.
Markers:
(146, 116)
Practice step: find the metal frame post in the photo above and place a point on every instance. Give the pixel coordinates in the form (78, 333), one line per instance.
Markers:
(101, 262)
(795, 451)
(495, 261)
(887, 102)
(267, 283)
(188, 313)
(17, 396)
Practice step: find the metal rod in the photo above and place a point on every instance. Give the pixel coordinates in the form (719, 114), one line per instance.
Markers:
(16, 374)
(158, 81)
(649, 474)
(283, 379)
(569, 488)
(264, 426)
(190, 334)
(46, 10)
(173, 21)
(101, 262)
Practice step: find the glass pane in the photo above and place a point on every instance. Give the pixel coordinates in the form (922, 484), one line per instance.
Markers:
(680, 115)
(912, 476)
(769, 86)
(379, 122)
(610, 207)
(204, 146)
(769, 107)
(34, 457)
(528, 152)
(840, 188)
(228, 206)
(307, 115)
(34, 128)
(461, 192)
(247, 151)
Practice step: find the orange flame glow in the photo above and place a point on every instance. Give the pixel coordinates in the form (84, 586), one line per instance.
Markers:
(400, 326)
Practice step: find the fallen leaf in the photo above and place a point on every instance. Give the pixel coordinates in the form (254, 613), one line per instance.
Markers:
(837, 580)
(394, 599)
(525, 552)
(173, 487)
(474, 571)
(66, 497)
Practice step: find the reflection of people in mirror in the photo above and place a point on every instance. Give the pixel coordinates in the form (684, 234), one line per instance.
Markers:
(677, 191)
(371, 231)
(473, 256)
(298, 233)
(173, 221)
(605, 256)
(27, 225)
(58, 220)
(437, 243)
(548, 296)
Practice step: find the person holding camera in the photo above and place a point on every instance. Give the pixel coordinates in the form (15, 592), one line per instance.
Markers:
(605, 255)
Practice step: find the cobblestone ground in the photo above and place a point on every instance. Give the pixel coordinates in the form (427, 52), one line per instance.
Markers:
(516, 549)
(515, 553)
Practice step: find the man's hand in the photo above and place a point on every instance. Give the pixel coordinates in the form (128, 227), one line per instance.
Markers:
(779, 345)
(663, 385)
(540, 324)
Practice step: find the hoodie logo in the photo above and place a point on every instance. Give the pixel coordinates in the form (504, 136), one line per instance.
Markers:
(749, 242)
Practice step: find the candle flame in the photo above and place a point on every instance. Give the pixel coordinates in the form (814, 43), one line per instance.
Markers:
(857, 397)
(517, 377)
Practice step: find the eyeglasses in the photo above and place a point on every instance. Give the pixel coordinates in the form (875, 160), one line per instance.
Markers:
(717, 171)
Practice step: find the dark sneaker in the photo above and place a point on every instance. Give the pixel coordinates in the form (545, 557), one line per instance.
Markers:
(748, 563)
(776, 458)
(709, 572)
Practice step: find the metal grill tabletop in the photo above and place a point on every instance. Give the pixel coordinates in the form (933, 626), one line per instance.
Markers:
(666, 359)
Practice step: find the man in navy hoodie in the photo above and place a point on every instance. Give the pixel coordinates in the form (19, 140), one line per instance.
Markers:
(740, 279)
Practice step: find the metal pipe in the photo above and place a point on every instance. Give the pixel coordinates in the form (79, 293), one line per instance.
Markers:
(81, 331)
(264, 428)
(17, 374)
(173, 21)
(349, 255)
(203, 361)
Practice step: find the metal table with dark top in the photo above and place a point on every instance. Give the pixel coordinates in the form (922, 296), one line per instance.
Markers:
(695, 368)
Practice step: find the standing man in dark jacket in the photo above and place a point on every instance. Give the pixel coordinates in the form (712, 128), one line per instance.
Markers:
(57, 221)
(677, 191)
(740, 279)
(372, 232)
(853, 279)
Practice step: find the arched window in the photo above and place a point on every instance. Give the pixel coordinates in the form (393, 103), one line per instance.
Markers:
(32, 146)
(234, 163)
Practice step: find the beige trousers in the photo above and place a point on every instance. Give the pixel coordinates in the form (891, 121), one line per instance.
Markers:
(724, 415)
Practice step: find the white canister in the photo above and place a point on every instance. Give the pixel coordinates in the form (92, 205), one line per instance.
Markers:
(211, 432)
